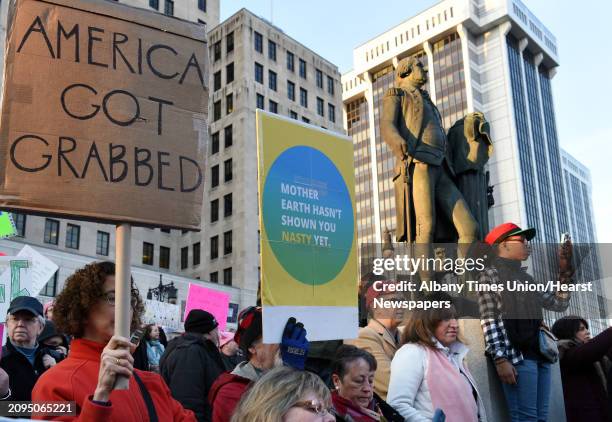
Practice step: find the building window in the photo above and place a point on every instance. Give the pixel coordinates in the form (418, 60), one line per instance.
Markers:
(217, 81)
(147, 253)
(227, 170)
(214, 143)
(51, 231)
(320, 107)
(184, 257)
(102, 241)
(214, 277)
(229, 103)
(169, 9)
(20, 224)
(164, 257)
(50, 288)
(331, 113)
(229, 73)
(272, 80)
(229, 138)
(227, 205)
(293, 115)
(196, 254)
(214, 247)
(303, 97)
(271, 50)
(73, 234)
(303, 69)
(258, 73)
(305, 119)
(290, 61)
(227, 243)
(273, 106)
(154, 4)
(258, 42)
(217, 110)
(217, 51)
(319, 77)
(202, 5)
(227, 276)
(214, 210)
(229, 42)
(214, 176)
(260, 101)
(330, 85)
(291, 90)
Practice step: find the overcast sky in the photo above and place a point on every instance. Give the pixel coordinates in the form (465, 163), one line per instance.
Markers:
(582, 89)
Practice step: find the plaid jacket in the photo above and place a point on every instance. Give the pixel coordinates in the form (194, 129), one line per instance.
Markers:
(497, 343)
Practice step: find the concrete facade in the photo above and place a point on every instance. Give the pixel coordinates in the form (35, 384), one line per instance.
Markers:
(247, 55)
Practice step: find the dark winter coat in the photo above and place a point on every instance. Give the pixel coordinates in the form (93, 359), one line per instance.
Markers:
(583, 371)
(190, 365)
(22, 375)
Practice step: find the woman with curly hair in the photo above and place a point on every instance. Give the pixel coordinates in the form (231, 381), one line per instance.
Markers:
(85, 309)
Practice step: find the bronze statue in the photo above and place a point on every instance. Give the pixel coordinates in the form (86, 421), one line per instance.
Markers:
(424, 188)
(469, 149)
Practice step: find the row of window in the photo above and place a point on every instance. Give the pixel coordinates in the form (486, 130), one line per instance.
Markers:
(272, 84)
(229, 107)
(258, 40)
(229, 76)
(227, 208)
(227, 276)
(214, 139)
(73, 234)
(185, 256)
(229, 46)
(227, 171)
(227, 245)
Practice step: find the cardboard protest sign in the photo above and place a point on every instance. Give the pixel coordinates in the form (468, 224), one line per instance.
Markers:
(26, 275)
(108, 104)
(162, 313)
(7, 226)
(308, 234)
(213, 301)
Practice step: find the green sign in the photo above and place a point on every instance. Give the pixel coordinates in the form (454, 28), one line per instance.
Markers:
(7, 227)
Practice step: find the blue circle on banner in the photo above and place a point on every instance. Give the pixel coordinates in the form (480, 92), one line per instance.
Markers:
(308, 215)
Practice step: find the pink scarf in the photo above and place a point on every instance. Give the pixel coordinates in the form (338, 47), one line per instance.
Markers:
(449, 389)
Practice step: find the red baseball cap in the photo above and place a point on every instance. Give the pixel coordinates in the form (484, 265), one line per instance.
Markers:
(505, 230)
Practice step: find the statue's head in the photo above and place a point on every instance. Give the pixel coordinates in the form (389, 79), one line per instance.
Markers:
(410, 71)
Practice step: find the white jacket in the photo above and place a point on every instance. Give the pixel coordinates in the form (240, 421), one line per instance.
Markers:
(409, 393)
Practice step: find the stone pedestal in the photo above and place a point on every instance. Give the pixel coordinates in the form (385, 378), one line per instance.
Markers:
(489, 385)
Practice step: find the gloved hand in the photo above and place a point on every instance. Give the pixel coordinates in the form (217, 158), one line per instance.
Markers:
(294, 345)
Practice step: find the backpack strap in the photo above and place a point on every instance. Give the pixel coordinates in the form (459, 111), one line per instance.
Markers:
(147, 398)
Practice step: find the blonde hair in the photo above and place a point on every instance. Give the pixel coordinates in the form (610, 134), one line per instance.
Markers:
(276, 392)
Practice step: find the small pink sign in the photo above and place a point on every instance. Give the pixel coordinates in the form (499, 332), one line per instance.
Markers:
(210, 300)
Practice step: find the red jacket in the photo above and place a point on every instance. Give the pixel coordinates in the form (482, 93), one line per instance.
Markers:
(225, 394)
(76, 377)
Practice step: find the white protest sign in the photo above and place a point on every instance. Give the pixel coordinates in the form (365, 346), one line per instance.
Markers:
(161, 313)
(27, 275)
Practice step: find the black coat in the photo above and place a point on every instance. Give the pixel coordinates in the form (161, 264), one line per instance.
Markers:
(190, 365)
(22, 375)
(584, 378)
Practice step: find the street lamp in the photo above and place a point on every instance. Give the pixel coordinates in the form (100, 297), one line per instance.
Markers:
(163, 292)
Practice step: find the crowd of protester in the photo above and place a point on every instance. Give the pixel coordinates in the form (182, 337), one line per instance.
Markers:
(404, 366)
